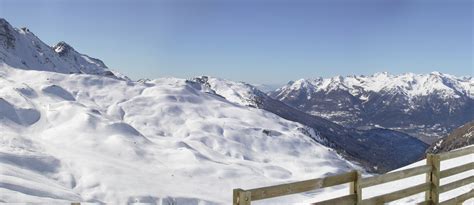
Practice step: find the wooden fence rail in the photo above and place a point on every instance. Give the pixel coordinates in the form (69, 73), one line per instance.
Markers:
(431, 186)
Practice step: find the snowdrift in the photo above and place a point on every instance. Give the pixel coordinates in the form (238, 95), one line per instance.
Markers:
(90, 138)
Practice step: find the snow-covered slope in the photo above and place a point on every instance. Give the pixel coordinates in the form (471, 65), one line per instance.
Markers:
(79, 137)
(20, 48)
(426, 105)
(388, 149)
(409, 182)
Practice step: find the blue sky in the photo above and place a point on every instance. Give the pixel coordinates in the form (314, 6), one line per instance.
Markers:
(259, 41)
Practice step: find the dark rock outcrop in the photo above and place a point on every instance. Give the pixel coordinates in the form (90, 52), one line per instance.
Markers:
(458, 138)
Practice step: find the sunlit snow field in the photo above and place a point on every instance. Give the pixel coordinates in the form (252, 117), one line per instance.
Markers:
(96, 139)
(343, 190)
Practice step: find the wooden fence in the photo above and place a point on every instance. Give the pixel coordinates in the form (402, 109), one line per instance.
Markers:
(431, 187)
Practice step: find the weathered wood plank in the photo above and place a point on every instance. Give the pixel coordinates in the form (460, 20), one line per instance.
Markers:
(344, 200)
(456, 170)
(424, 203)
(303, 186)
(456, 184)
(244, 198)
(459, 199)
(397, 194)
(457, 153)
(380, 179)
(432, 185)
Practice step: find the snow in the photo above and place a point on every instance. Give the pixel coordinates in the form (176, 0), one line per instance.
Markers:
(20, 48)
(409, 84)
(406, 183)
(89, 138)
(99, 139)
(267, 87)
(73, 130)
(236, 92)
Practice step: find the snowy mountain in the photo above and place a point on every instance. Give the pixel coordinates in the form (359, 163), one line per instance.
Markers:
(20, 48)
(425, 105)
(71, 130)
(80, 137)
(460, 137)
(267, 87)
(388, 149)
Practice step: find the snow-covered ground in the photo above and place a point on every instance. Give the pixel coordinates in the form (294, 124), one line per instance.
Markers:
(405, 183)
(385, 188)
(79, 137)
(73, 130)
(90, 138)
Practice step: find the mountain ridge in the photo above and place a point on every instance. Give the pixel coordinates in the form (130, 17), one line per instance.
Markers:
(389, 149)
(69, 131)
(425, 105)
(64, 135)
(21, 48)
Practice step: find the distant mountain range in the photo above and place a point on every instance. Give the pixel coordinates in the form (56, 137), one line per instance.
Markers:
(72, 130)
(427, 106)
(71, 127)
(388, 149)
(378, 150)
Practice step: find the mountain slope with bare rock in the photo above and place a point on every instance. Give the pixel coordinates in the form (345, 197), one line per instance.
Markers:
(427, 106)
(378, 150)
(460, 137)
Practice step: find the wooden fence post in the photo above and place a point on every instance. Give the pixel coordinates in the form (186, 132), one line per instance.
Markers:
(235, 196)
(433, 194)
(355, 188)
(241, 197)
(428, 177)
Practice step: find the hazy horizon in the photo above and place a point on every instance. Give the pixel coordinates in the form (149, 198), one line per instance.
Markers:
(259, 42)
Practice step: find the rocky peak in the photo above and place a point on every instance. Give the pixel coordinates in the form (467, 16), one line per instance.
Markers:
(381, 74)
(62, 48)
(338, 78)
(21, 49)
(4, 22)
(436, 73)
(201, 80)
(25, 30)
(7, 39)
(301, 84)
